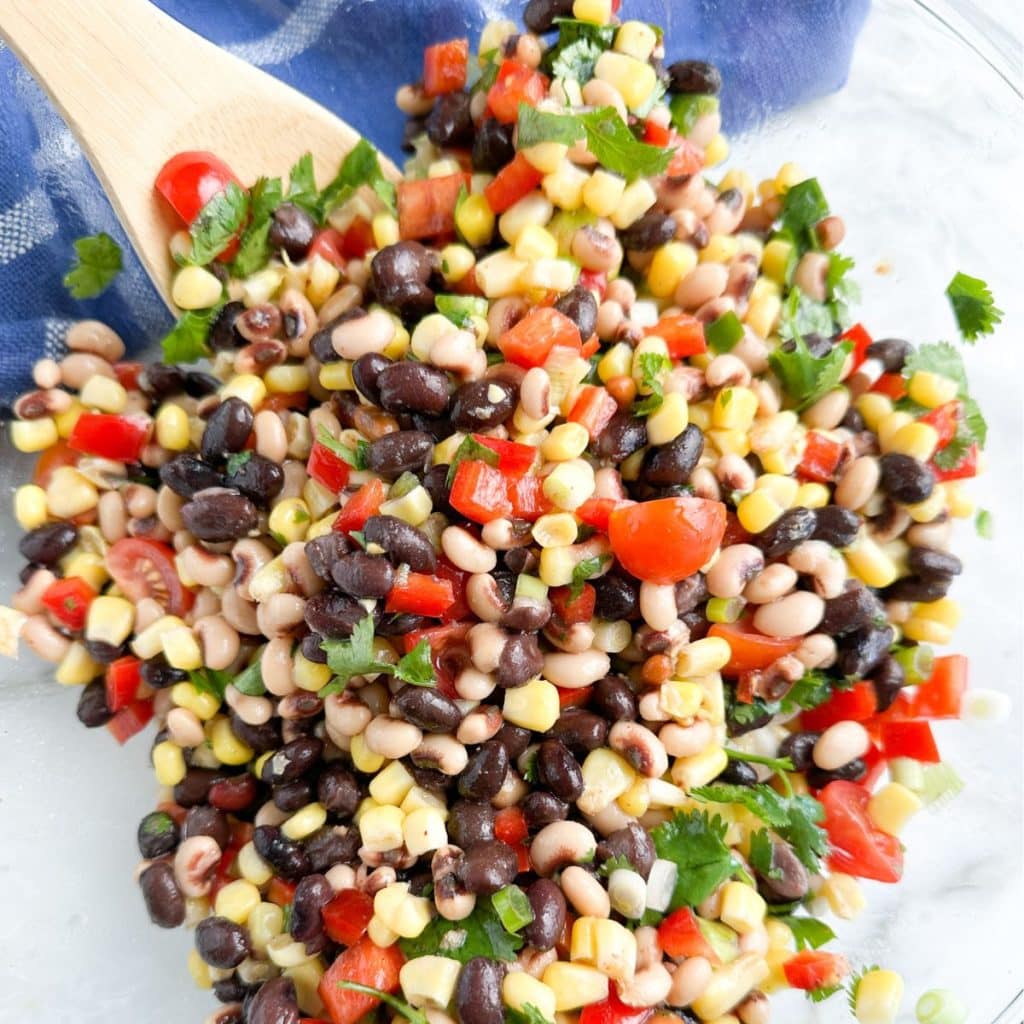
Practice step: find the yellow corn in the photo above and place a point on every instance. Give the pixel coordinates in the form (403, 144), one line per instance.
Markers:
(575, 985)
(498, 274)
(556, 565)
(890, 425)
(429, 981)
(758, 510)
(69, 494)
(406, 915)
(680, 699)
(535, 243)
(763, 314)
(637, 799)
(844, 895)
(168, 763)
(534, 706)
(195, 288)
(699, 769)
(598, 12)
(546, 157)
(236, 901)
(776, 259)
(566, 441)
(424, 830)
(606, 776)
(199, 971)
(879, 994)
(385, 230)
(366, 805)
(381, 829)
(548, 275)
(604, 944)
(287, 379)
(323, 279)
(789, 174)
(720, 249)
(616, 362)
(418, 798)
(716, 151)
(671, 263)
(66, 420)
(741, 180)
(110, 620)
(172, 428)
(557, 529)
(874, 409)
(916, 439)
(931, 389)
(30, 506)
(456, 262)
(103, 393)
(734, 409)
(364, 759)
(782, 488)
(246, 386)
(309, 675)
(305, 821)
(634, 79)
(811, 495)
(289, 519)
(636, 39)
(181, 648)
(669, 420)
(306, 978)
(892, 807)
(147, 643)
(283, 951)
(565, 186)
(931, 508)
(391, 785)
(337, 376)
(474, 220)
(534, 208)
(602, 192)
(779, 935)
(703, 657)
(380, 934)
(729, 985)
(637, 199)
(730, 442)
(184, 695)
(265, 922)
(413, 508)
(569, 484)
(870, 564)
(252, 867)
(742, 909)
(88, 565)
(226, 746)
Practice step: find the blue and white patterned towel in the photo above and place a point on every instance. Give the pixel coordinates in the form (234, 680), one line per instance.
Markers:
(350, 55)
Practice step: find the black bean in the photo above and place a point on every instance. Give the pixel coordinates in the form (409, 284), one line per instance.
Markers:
(614, 698)
(92, 710)
(852, 421)
(290, 796)
(400, 274)
(256, 477)
(413, 387)
(624, 435)
(428, 709)
(293, 760)
(580, 730)
(478, 994)
(540, 809)
(525, 615)
(853, 609)
(648, 233)
(488, 865)
(484, 776)
(514, 738)
(836, 525)
(273, 1003)
(689, 76)
(920, 588)
(218, 514)
(616, 598)
(401, 623)
(323, 552)
(362, 575)
(164, 900)
(548, 905)
(312, 894)
(227, 429)
(483, 405)
(332, 846)
(47, 545)
(187, 475)
(521, 660)
(691, 592)
(292, 229)
(450, 123)
(333, 615)
(862, 651)
(792, 528)
(852, 771)
(411, 131)
(799, 748)
(786, 879)
(520, 560)
(580, 306)
(27, 571)
(892, 353)
(559, 770)
(632, 842)
(195, 786)
(202, 820)
(738, 773)
(401, 452)
(906, 479)
(738, 727)
(365, 371)
(221, 943)
(288, 858)
(260, 737)
(493, 146)
(230, 990)
(159, 380)
(928, 562)
(670, 464)
(338, 790)
(105, 653)
(887, 679)
(540, 15)
(157, 835)
(223, 335)
(470, 821)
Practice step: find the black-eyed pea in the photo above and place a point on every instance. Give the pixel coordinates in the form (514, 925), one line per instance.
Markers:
(734, 473)
(346, 714)
(97, 338)
(704, 484)
(648, 987)
(702, 284)
(111, 516)
(184, 728)
(486, 642)
(194, 863)
(480, 724)
(771, 583)
(472, 684)
(727, 370)
(280, 615)
(585, 892)
(466, 552)
(686, 740)
(46, 374)
(689, 981)
(821, 561)
(276, 665)
(828, 411)
(795, 614)
(42, 639)
(29, 599)
(391, 737)
(657, 605)
(577, 639)
(640, 747)
(559, 844)
(239, 613)
(78, 367)
(271, 437)
(858, 483)
(811, 274)
(219, 642)
(734, 568)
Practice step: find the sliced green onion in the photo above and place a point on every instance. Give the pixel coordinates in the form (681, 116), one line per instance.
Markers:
(917, 663)
(512, 907)
(459, 308)
(403, 485)
(907, 772)
(723, 334)
(531, 587)
(725, 609)
(941, 782)
(688, 107)
(940, 1006)
(722, 939)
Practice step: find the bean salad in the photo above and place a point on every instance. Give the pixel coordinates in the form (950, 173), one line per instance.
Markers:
(532, 571)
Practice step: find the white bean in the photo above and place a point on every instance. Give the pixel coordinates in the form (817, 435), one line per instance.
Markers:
(771, 583)
(840, 744)
(466, 551)
(858, 482)
(585, 892)
(575, 671)
(658, 605)
(793, 615)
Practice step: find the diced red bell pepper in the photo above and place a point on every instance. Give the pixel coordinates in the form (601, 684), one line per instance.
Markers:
(858, 336)
(595, 512)
(459, 608)
(680, 935)
(530, 341)
(574, 698)
(516, 83)
(120, 438)
(857, 704)
(821, 458)
(591, 347)
(328, 244)
(527, 498)
(966, 468)
(750, 650)
(657, 134)
(280, 892)
(367, 964)
(682, 333)
(944, 421)
(876, 763)
(426, 206)
(68, 600)
(614, 1011)
(572, 610)
(513, 459)
(364, 503)
(479, 492)
(122, 680)
(127, 375)
(347, 915)
(515, 180)
(814, 968)
(448, 649)
(327, 469)
(358, 239)
(420, 594)
(593, 410)
(522, 852)
(891, 385)
(909, 739)
(510, 826)
(445, 66)
(943, 694)
(131, 720)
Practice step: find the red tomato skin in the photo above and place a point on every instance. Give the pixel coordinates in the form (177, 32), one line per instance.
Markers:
(854, 705)
(131, 720)
(445, 66)
(280, 892)
(426, 208)
(132, 559)
(594, 410)
(680, 935)
(364, 503)
(122, 680)
(573, 610)
(689, 532)
(909, 739)
(347, 915)
(327, 244)
(420, 594)
(120, 438)
(367, 964)
(68, 600)
(49, 461)
(189, 180)
(750, 650)
(596, 512)
(516, 179)
(516, 83)
(858, 848)
(815, 968)
(683, 334)
(327, 469)
(479, 492)
(613, 1011)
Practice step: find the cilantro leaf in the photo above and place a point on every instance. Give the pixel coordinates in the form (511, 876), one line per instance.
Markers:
(809, 932)
(583, 571)
(217, 223)
(417, 667)
(490, 64)
(400, 1006)
(802, 315)
(819, 995)
(938, 357)
(254, 248)
(804, 376)
(653, 366)
(354, 656)
(250, 680)
(808, 839)
(761, 852)
(237, 460)
(480, 934)
(973, 306)
(688, 108)
(579, 45)
(97, 262)
(777, 764)
(983, 524)
(529, 1014)
(360, 167)
(211, 681)
(470, 450)
(803, 206)
(762, 800)
(696, 844)
(613, 864)
(186, 340)
(302, 190)
(810, 691)
(356, 457)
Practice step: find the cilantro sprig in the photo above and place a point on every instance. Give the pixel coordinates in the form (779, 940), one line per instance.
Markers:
(470, 450)
(186, 340)
(410, 1013)
(653, 367)
(355, 657)
(579, 46)
(973, 306)
(807, 377)
(355, 457)
(695, 843)
(480, 934)
(218, 222)
(586, 570)
(254, 247)
(98, 261)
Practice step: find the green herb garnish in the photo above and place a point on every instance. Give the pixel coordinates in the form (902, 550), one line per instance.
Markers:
(97, 262)
(355, 657)
(217, 223)
(695, 843)
(973, 306)
(186, 340)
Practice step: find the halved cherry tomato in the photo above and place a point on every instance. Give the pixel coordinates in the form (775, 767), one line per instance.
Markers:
(680, 935)
(943, 694)
(909, 739)
(516, 83)
(858, 336)
(49, 461)
(596, 512)
(683, 334)
(575, 698)
(815, 968)
(750, 650)
(68, 600)
(445, 66)
(966, 468)
(131, 720)
(145, 568)
(687, 530)
(734, 531)
(515, 180)
(122, 680)
(280, 892)
(858, 848)
(364, 503)
(127, 375)
(367, 964)
(189, 180)
(513, 459)
(944, 420)
(426, 207)
(530, 341)
(821, 458)
(326, 468)
(510, 826)
(892, 385)
(120, 438)
(857, 704)
(327, 244)
(358, 240)
(593, 410)
(347, 915)
(614, 1011)
(572, 610)
(479, 492)
(420, 594)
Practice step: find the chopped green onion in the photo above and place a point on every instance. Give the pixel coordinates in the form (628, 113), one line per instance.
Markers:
(725, 609)
(722, 334)
(907, 772)
(512, 907)
(917, 663)
(941, 782)
(459, 308)
(403, 485)
(687, 108)
(940, 1006)
(723, 940)
(531, 587)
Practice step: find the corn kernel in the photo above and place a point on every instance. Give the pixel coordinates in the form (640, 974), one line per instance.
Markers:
(30, 506)
(811, 495)
(417, 798)
(284, 951)
(931, 508)
(337, 376)
(305, 821)
(309, 675)
(385, 230)
(870, 564)
(534, 208)
(413, 508)
(252, 867)
(86, 565)
(782, 488)
(604, 944)
(104, 394)
(185, 695)
(195, 288)
(844, 895)
(306, 978)
(889, 426)
(931, 389)
(66, 420)
(892, 807)
(763, 314)
(474, 220)
(636, 800)
(730, 442)
(68, 493)
(669, 420)
(246, 386)
(603, 191)
(534, 706)
(636, 39)
(548, 275)
(519, 990)
(498, 275)
(392, 784)
(380, 934)
(742, 908)
(289, 519)
(716, 151)
(597, 12)
(411, 915)
(181, 648)
(788, 175)
(265, 922)
(456, 262)
(535, 243)
(381, 829)
(918, 440)
(729, 985)
(110, 620)
(172, 428)
(287, 379)
(236, 901)
(575, 985)
(424, 830)
(703, 657)
(634, 79)
(364, 759)
(546, 157)
(699, 769)
(671, 263)
(569, 484)
(147, 643)
(566, 441)
(556, 566)
(429, 981)
(606, 776)
(757, 511)
(680, 699)
(878, 998)
(637, 198)
(557, 529)
(779, 255)
(323, 279)
(734, 409)
(168, 763)
(226, 746)
(199, 971)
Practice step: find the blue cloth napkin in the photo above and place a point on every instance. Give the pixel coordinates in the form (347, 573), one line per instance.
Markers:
(350, 55)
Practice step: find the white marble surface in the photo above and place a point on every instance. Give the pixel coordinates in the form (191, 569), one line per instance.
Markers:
(921, 154)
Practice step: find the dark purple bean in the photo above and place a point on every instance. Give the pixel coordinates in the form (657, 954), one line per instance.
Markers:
(548, 905)
(695, 76)
(478, 994)
(92, 710)
(450, 123)
(580, 730)
(223, 335)
(852, 421)
(333, 615)
(233, 794)
(159, 380)
(288, 858)
(47, 545)
(786, 879)
(291, 796)
(312, 894)
(540, 15)
(493, 146)
(624, 435)
(413, 387)
(203, 820)
(402, 543)
(580, 306)
(852, 771)
(892, 353)
(361, 575)
(105, 653)
(164, 902)
(323, 552)
(691, 592)
(195, 786)
(157, 835)
(616, 598)
(332, 846)
(428, 709)
(671, 464)
(540, 809)
(906, 479)
(187, 475)
(470, 821)
(218, 514)
(436, 485)
(526, 615)
(400, 275)
(853, 609)
(230, 990)
(293, 760)
(792, 528)
(799, 748)
(401, 623)
(632, 842)
(836, 525)
(920, 588)
(256, 477)
(292, 229)
(559, 770)
(401, 452)
(514, 738)
(887, 679)
(483, 405)
(484, 776)
(411, 131)
(614, 699)
(199, 385)
(648, 233)
(488, 865)
(338, 790)
(365, 371)
(227, 429)
(862, 651)
(273, 1003)
(521, 660)
(260, 737)
(737, 773)
(926, 562)
(221, 943)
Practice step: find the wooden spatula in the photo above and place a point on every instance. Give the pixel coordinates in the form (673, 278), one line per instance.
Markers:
(136, 87)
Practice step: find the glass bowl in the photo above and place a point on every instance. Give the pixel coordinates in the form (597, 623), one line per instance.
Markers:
(920, 153)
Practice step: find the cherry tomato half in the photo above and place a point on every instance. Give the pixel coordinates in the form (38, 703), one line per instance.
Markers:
(189, 180)
(145, 568)
(858, 848)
